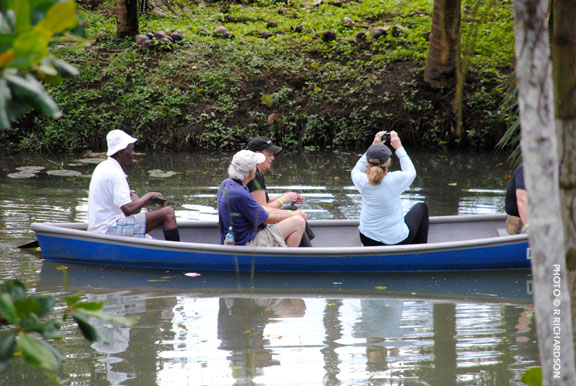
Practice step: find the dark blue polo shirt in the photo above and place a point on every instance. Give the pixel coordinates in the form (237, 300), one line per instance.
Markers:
(237, 207)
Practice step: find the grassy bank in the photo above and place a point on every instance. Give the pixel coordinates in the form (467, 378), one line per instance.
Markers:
(296, 71)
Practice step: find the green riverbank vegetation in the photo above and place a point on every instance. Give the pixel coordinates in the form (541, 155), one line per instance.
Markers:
(310, 74)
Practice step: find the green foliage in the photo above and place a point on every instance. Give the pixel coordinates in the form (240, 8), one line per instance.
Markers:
(214, 93)
(24, 328)
(26, 30)
(532, 377)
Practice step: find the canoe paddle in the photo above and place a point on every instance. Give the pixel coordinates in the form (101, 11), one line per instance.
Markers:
(31, 244)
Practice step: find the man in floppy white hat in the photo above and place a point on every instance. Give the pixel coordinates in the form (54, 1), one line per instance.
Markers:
(251, 223)
(112, 208)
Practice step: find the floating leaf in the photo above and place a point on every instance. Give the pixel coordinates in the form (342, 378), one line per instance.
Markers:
(160, 173)
(380, 287)
(21, 175)
(64, 173)
(30, 169)
(89, 160)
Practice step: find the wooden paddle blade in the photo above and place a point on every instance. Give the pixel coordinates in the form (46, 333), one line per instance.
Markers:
(31, 244)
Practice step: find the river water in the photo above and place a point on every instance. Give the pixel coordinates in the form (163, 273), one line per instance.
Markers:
(280, 329)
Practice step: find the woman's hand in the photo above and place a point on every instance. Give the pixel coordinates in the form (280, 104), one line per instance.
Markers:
(378, 137)
(395, 140)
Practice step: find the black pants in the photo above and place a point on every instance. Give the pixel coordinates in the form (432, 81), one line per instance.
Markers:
(417, 221)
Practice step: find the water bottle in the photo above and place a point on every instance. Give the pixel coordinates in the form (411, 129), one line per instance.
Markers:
(229, 239)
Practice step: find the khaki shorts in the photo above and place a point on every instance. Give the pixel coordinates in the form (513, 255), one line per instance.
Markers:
(513, 225)
(271, 236)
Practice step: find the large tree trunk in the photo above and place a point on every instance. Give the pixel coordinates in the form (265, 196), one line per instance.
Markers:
(564, 75)
(540, 157)
(444, 51)
(127, 14)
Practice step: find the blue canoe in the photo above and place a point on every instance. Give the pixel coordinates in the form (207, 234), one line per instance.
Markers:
(456, 243)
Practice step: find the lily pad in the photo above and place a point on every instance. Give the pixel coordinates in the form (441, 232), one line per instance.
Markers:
(21, 175)
(30, 169)
(161, 174)
(89, 160)
(64, 173)
(91, 154)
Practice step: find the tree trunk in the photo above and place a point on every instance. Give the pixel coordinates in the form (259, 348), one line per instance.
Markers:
(564, 76)
(444, 51)
(127, 14)
(540, 157)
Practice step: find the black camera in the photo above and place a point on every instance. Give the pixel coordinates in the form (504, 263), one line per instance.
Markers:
(385, 137)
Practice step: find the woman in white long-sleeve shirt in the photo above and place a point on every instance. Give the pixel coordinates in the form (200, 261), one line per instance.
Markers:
(382, 221)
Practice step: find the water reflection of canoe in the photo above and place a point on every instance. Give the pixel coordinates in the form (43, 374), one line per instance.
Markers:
(514, 286)
(455, 243)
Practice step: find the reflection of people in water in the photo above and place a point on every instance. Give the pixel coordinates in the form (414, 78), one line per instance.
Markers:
(241, 324)
(379, 324)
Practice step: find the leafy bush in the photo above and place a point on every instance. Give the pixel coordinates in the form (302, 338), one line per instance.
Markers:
(24, 328)
(208, 91)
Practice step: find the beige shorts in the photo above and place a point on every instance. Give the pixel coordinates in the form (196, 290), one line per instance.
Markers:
(271, 236)
(513, 225)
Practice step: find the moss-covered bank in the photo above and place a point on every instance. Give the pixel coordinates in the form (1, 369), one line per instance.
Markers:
(279, 74)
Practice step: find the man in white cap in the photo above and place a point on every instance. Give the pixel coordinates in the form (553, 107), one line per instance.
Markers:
(251, 223)
(112, 208)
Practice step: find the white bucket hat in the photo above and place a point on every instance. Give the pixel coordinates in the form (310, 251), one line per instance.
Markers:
(118, 140)
(247, 160)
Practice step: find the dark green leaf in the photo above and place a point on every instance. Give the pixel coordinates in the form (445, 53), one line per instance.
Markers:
(88, 330)
(63, 68)
(15, 288)
(7, 346)
(111, 318)
(26, 307)
(39, 8)
(90, 306)
(46, 303)
(5, 98)
(72, 300)
(6, 40)
(7, 309)
(50, 329)
(7, 349)
(28, 322)
(29, 89)
(37, 353)
(22, 8)
(17, 108)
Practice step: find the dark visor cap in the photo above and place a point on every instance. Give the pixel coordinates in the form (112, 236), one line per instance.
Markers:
(378, 154)
(262, 144)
